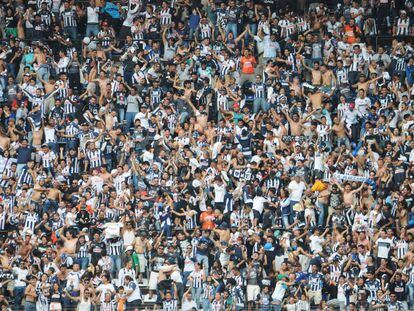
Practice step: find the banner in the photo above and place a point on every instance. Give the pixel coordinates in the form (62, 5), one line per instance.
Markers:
(293, 138)
(6, 275)
(345, 177)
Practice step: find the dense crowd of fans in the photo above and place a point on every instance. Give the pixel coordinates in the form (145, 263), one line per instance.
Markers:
(206, 155)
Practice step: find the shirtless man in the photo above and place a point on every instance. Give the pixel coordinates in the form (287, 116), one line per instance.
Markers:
(188, 90)
(106, 176)
(54, 196)
(38, 191)
(316, 99)
(201, 116)
(69, 246)
(340, 132)
(223, 233)
(363, 84)
(37, 136)
(296, 123)
(110, 118)
(4, 141)
(40, 64)
(102, 82)
(328, 77)
(49, 86)
(348, 194)
(316, 74)
(25, 246)
(30, 293)
(7, 259)
(141, 246)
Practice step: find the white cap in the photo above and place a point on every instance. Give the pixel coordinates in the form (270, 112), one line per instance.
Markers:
(129, 248)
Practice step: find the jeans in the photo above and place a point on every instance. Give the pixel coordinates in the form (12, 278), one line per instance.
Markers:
(128, 76)
(410, 288)
(50, 205)
(54, 146)
(196, 293)
(231, 27)
(193, 31)
(183, 117)
(109, 164)
(167, 230)
(206, 304)
(203, 259)
(277, 306)
(92, 29)
(3, 82)
(20, 167)
(185, 277)
(285, 221)
(253, 28)
(18, 293)
(343, 141)
(130, 116)
(121, 114)
(321, 213)
(355, 132)
(71, 144)
(292, 214)
(72, 32)
(83, 262)
(43, 72)
(260, 103)
(30, 306)
(116, 265)
(12, 69)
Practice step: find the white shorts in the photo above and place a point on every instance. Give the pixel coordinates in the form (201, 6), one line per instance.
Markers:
(316, 295)
(55, 306)
(153, 281)
(142, 262)
(252, 292)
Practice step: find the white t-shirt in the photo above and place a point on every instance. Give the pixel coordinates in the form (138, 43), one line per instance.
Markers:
(188, 305)
(219, 192)
(73, 279)
(316, 243)
(362, 105)
(383, 246)
(258, 203)
(93, 15)
(296, 190)
(279, 291)
(104, 288)
(21, 275)
(136, 294)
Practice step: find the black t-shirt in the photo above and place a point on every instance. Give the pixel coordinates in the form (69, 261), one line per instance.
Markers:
(24, 154)
(85, 217)
(398, 288)
(11, 22)
(97, 248)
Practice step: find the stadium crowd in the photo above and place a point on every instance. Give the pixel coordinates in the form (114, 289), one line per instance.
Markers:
(206, 155)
